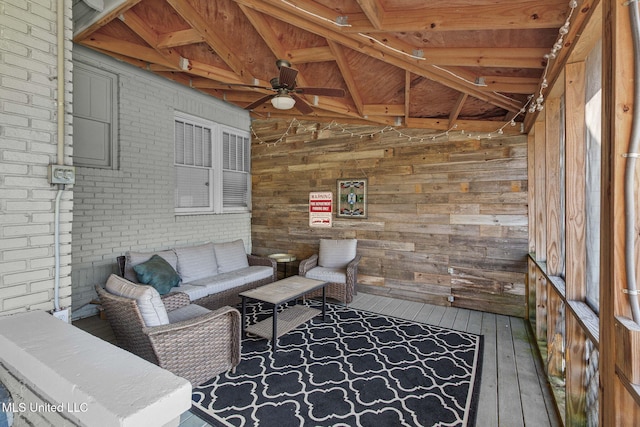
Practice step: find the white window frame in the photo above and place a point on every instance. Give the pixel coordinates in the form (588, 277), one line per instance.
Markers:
(110, 146)
(241, 134)
(216, 171)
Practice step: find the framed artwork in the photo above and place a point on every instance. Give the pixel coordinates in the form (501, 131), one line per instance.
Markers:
(352, 198)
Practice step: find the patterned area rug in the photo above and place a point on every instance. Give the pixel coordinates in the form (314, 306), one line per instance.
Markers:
(355, 369)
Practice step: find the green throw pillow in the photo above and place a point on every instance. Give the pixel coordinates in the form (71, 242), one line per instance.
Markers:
(158, 273)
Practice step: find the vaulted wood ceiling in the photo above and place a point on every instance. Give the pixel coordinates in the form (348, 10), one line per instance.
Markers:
(429, 64)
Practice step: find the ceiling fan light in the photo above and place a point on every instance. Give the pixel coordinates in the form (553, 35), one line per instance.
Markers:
(283, 102)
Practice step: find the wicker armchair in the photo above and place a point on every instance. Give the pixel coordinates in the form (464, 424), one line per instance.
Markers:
(336, 263)
(197, 346)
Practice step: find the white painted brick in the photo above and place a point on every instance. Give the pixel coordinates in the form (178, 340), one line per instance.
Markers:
(26, 63)
(26, 86)
(25, 300)
(12, 291)
(20, 242)
(16, 231)
(27, 134)
(11, 95)
(21, 181)
(25, 277)
(27, 111)
(19, 254)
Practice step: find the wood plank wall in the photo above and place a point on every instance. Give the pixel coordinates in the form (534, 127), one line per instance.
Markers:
(447, 217)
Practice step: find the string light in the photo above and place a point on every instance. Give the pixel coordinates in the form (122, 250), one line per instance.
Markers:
(538, 105)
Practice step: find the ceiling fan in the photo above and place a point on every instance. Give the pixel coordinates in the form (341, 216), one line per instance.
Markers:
(285, 91)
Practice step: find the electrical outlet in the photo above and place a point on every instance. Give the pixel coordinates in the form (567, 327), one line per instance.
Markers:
(62, 174)
(450, 298)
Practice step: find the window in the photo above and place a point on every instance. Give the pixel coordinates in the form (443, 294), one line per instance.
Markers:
(212, 167)
(95, 118)
(236, 165)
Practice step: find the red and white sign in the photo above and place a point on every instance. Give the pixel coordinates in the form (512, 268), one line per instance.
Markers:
(320, 208)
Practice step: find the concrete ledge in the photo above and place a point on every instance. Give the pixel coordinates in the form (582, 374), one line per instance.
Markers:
(90, 380)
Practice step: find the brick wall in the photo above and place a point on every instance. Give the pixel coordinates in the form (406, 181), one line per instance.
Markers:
(132, 207)
(28, 144)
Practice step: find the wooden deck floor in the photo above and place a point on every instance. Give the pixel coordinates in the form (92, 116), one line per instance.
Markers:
(514, 390)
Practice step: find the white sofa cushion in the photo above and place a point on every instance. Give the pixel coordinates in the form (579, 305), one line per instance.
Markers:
(196, 262)
(148, 299)
(135, 258)
(231, 256)
(186, 312)
(336, 253)
(326, 274)
(224, 281)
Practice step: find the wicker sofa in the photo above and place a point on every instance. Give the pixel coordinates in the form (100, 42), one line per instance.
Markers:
(212, 274)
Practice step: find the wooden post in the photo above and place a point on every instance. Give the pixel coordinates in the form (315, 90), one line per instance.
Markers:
(617, 406)
(576, 252)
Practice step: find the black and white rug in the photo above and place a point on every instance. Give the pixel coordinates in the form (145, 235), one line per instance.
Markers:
(356, 369)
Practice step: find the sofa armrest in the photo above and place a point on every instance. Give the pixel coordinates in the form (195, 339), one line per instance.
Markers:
(266, 261)
(121, 262)
(199, 348)
(307, 264)
(174, 300)
(352, 270)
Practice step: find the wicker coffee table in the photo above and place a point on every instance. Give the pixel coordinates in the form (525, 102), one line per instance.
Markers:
(277, 294)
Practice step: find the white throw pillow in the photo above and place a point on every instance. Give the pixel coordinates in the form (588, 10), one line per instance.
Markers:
(135, 258)
(196, 262)
(337, 253)
(231, 256)
(148, 299)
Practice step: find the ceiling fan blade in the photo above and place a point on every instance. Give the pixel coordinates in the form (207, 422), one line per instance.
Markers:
(245, 85)
(301, 105)
(259, 102)
(322, 91)
(287, 77)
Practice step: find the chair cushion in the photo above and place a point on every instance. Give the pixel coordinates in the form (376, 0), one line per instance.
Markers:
(158, 273)
(186, 312)
(148, 299)
(326, 274)
(231, 256)
(196, 262)
(135, 258)
(336, 253)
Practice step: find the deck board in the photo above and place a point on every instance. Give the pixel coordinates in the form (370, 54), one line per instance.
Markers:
(509, 403)
(512, 372)
(488, 404)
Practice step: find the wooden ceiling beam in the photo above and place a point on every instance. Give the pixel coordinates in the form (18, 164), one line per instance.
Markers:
(462, 126)
(132, 50)
(487, 57)
(455, 112)
(383, 110)
(373, 11)
(309, 55)
(138, 26)
(347, 74)
(381, 52)
(520, 85)
(104, 20)
(212, 38)
(179, 38)
(512, 15)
